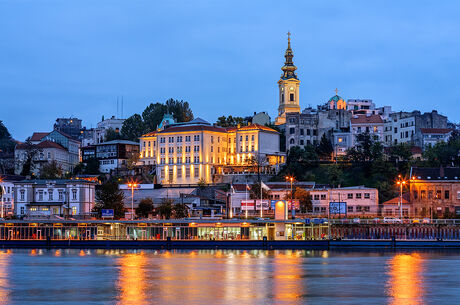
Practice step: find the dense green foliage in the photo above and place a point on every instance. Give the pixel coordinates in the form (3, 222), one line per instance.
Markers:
(364, 165)
(108, 196)
(144, 208)
(6, 141)
(137, 125)
(229, 121)
(50, 170)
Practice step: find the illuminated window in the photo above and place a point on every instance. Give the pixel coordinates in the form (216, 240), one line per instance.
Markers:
(74, 210)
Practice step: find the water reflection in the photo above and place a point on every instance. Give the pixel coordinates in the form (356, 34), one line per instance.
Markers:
(287, 273)
(405, 284)
(5, 259)
(132, 282)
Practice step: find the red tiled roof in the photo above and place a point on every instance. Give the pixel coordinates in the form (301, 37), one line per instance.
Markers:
(44, 144)
(37, 136)
(416, 150)
(150, 134)
(251, 127)
(364, 119)
(192, 128)
(405, 199)
(435, 130)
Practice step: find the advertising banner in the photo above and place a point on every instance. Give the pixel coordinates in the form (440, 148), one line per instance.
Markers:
(265, 204)
(107, 213)
(247, 205)
(337, 208)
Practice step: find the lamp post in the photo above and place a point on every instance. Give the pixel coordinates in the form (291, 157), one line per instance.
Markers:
(290, 179)
(2, 194)
(401, 182)
(132, 185)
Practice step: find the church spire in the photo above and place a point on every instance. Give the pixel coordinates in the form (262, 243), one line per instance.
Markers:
(289, 68)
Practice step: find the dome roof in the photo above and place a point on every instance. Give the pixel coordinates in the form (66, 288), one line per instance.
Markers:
(335, 98)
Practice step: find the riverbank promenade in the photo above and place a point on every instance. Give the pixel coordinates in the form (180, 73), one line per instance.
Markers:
(230, 234)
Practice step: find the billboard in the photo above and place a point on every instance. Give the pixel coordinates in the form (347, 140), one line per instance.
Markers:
(107, 213)
(295, 204)
(337, 208)
(247, 205)
(265, 204)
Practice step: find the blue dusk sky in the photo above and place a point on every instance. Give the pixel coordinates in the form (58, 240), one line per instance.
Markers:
(74, 58)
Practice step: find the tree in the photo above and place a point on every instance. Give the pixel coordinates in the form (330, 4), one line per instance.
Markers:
(165, 209)
(325, 148)
(133, 127)
(180, 110)
(304, 199)
(229, 121)
(28, 165)
(6, 141)
(51, 170)
(367, 148)
(401, 151)
(255, 192)
(111, 134)
(335, 175)
(180, 210)
(144, 208)
(108, 196)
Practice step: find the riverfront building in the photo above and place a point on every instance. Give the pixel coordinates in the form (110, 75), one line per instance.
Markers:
(435, 192)
(186, 153)
(53, 198)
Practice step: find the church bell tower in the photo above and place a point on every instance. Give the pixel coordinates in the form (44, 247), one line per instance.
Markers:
(288, 87)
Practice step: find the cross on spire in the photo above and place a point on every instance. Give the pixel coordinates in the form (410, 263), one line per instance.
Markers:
(336, 91)
(289, 35)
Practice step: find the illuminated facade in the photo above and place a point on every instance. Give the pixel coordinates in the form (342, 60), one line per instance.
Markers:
(435, 192)
(288, 86)
(186, 153)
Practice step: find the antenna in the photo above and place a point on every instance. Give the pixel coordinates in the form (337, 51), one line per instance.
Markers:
(117, 106)
(122, 106)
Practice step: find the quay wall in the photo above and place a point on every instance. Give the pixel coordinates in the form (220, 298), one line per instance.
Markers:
(233, 244)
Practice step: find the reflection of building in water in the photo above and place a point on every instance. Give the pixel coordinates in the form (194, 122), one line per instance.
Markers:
(405, 284)
(132, 282)
(287, 274)
(5, 257)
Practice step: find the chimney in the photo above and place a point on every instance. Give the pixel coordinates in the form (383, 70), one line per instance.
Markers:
(441, 171)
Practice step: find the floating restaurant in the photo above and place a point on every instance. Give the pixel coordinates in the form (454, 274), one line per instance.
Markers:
(176, 229)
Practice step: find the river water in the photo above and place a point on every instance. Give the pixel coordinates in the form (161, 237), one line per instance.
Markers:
(228, 277)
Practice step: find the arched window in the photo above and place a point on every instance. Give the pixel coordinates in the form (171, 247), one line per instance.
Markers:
(291, 141)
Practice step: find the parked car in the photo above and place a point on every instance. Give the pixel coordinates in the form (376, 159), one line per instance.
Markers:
(376, 220)
(356, 220)
(415, 220)
(391, 220)
(426, 220)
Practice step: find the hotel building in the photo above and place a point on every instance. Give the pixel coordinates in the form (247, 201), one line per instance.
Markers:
(187, 153)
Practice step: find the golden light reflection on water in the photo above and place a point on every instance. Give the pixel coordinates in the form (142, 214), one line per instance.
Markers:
(287, 276)
(405, 285)
(132, 281)
(5, 257)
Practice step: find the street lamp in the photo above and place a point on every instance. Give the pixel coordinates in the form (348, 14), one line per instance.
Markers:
(291, 179)
(132, 185)
(2, 191)
(401, 182)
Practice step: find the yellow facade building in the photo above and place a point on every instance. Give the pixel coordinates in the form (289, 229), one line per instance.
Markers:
(187, 153)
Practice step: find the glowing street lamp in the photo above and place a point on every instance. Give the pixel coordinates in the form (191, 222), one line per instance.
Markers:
(291, 179)
(2, 191)
(401, 182)
(132, 185)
